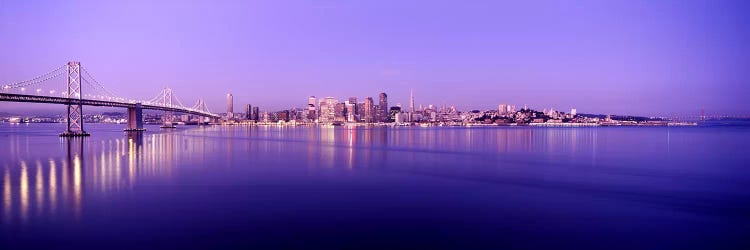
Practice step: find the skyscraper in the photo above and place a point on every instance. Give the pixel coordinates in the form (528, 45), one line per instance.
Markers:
(311, 100)
(327, 109)
(339, 111)
(383, 108)
(256, 114)
(502, 109)
(249, 112)
(411, 100)
(361, 112)
(355, 109)
(351, 110)
(312, 115)
(369, 112)
(392, 112)
(230, 106)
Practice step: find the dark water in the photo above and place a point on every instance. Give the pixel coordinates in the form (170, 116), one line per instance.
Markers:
(416, 188)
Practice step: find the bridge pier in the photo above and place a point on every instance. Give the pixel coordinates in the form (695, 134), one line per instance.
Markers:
(135, 119)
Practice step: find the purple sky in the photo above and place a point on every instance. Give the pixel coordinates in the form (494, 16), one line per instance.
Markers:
(622, 57)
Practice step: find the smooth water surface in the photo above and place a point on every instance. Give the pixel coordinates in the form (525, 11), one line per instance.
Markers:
(405, 187)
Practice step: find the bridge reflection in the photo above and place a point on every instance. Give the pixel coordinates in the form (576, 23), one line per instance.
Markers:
(57, 187)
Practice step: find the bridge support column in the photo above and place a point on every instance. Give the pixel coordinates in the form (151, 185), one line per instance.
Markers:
(135, 118)
(75, 108)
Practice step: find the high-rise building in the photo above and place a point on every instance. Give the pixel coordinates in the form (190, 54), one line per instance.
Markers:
(312, 114)
(383, 108)
(369, 110)
(351, 111)
(256, 114)
(249, 112)
(502, 109)
(230, 106)
(411, 101)
(327, 109)
(392, 112)
(573, 112)
(339, 112)
(311, 100)
(360, 112)
(354, 110)
(282, 115)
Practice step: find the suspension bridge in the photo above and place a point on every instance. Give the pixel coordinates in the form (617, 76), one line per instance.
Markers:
(46, 88)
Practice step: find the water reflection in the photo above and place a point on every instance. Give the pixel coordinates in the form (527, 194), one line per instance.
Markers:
(7, 196)
(59, 185)
(593, 181)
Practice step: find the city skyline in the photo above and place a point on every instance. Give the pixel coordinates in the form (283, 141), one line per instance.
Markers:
(598, 58)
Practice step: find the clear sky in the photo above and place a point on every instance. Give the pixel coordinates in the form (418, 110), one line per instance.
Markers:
(621, 57)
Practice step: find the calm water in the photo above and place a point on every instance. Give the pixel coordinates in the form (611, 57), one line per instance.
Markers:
(309, 187)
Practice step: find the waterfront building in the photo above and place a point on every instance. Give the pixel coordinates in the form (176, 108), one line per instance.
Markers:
(248, 112)
(327, 109)
(369, 110)
(282, 116)
(503, 109)
(312, 113)
(256, 114)
(400, 118)
(339, 112)
(383, 107)
(354, 109)
(360, 112)
(351, 110)
(230, 106)
(411, 101)
(393, 111)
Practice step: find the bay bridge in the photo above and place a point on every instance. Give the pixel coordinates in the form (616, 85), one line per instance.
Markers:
(46, 88)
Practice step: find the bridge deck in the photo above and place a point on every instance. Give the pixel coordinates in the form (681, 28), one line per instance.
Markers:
(7, 97)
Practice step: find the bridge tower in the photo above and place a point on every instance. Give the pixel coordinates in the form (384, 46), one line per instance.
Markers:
(168, 118)
(75, 110)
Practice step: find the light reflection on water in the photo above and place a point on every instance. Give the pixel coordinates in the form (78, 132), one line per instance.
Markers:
(116, 166)
(672, 171)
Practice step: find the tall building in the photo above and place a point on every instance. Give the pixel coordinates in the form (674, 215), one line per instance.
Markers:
(311, 100)
(573, 112)
(502, 109)
(327, 109)
(256, 114)
(312, 115)
(383, 108)
(339, 112)
(355, 109)
(411, 101)
(282, 115)
(360, 112)
(351, 111)
(392, 113)
(249, 112)
(369, 110)
(230, 106)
